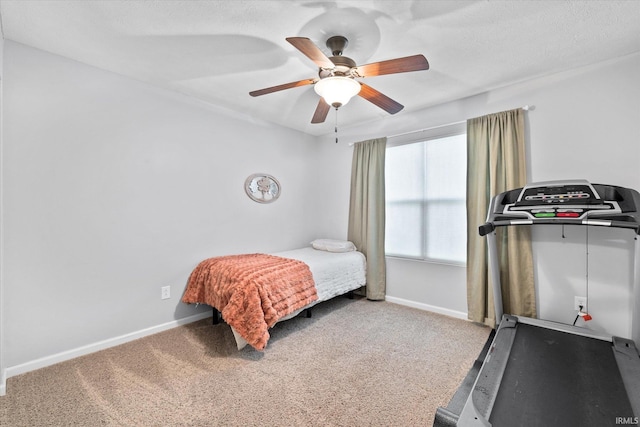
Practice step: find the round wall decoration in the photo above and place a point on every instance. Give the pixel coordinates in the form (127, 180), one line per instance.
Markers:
(262, 188)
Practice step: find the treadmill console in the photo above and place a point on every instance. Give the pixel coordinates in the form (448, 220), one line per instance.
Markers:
(560, 199)
(565, 202)
(568, 199)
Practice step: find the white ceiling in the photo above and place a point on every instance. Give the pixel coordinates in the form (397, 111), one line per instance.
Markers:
(219, 51)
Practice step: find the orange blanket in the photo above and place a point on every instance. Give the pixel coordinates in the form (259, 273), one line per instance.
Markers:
(252, 291)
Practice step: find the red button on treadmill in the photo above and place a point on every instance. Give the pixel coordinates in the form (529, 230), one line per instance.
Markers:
(568, 214)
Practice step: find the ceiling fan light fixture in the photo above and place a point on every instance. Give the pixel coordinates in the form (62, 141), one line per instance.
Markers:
(337, 90)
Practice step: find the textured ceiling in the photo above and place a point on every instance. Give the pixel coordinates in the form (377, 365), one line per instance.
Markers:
(219, 51)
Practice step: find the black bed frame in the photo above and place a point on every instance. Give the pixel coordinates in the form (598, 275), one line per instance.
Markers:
(217, 315)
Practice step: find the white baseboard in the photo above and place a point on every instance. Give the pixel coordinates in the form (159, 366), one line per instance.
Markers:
(426, 307)
(92, 348)
(3, 383)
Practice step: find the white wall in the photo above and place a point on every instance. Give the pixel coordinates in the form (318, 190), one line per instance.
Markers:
(2, 371)
(583, 125)
(114, 189)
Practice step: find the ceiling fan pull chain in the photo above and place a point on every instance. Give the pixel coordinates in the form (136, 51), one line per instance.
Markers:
(336, 128)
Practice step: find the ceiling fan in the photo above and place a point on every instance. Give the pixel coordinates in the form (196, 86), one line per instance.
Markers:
(340, 72)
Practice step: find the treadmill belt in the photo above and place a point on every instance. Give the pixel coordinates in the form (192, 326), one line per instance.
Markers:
(559, 379)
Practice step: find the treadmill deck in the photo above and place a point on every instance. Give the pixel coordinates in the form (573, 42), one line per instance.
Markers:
(554, 378)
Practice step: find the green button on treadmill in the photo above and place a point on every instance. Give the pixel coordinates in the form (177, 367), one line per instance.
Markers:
(544, 214)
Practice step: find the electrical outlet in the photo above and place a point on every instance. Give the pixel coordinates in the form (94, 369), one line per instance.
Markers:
(165, 292)
(579, 301)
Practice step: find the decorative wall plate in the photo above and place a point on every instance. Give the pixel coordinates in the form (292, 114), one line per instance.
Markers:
(262, 188)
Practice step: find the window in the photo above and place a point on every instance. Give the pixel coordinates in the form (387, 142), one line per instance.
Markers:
(426, 197)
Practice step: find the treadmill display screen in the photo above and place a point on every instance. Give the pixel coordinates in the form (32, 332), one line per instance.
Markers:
(558, 195)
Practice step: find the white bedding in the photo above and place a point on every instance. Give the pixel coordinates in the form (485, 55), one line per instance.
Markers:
(334, 273)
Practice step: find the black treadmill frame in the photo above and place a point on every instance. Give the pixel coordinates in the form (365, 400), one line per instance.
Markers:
(480, 402)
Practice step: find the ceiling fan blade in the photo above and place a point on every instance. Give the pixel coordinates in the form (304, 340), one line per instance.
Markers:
(282, 87)
(312, 51)
(392, 66)
(379, 99)
(321, 112)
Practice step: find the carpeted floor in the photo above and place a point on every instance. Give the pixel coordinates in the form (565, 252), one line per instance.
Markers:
(354, 363)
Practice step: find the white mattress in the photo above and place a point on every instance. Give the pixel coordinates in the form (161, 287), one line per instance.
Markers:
(334, 273)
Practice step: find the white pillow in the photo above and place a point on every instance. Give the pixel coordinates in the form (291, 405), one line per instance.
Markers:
(331, 245)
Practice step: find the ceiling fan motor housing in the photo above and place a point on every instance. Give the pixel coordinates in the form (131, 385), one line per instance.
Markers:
(343, 66)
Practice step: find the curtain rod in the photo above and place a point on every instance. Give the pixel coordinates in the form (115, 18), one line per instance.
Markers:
(426, 129)
(526, 108)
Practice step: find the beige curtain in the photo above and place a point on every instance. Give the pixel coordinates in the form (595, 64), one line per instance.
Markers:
(367, 210)
(496, 163)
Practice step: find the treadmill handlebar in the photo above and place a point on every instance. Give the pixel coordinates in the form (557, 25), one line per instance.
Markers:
(486, 228)
(489, 227)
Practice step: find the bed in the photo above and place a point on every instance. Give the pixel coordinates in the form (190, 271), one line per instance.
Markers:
(253, 292)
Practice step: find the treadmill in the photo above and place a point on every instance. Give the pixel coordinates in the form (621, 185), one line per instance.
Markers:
(542, 373)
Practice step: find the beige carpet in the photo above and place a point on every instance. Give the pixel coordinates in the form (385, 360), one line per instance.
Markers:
(354, 363)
